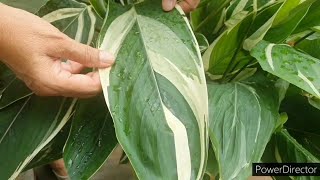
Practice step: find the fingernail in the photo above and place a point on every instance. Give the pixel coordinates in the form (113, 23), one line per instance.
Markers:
(106, 57)
(168, 5)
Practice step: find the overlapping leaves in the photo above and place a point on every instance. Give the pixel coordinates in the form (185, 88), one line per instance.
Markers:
(156, 91)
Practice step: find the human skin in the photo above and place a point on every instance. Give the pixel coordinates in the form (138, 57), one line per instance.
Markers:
(34, 50)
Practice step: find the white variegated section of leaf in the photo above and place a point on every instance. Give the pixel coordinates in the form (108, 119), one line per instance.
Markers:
(62, 14)
(55, 128)
(269, 55)
(311, 85)
(192, 87)
(293, 66)
(79, 17)
(120, 29)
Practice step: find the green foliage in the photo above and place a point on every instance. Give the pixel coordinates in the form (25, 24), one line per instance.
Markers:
(260, 101)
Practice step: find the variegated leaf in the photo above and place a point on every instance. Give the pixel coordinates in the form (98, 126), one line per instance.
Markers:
(11, 89)
(225, 53)
(91, 139)
(243, 116)
(75, 19)
(287, 149)
(53, 150)
(29, 5)
(289, 64)
(33, 122)
(30, 123)
(280, 26)
(86, 148)
(156, 91)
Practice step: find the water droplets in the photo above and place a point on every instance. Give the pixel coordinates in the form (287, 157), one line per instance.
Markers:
(99, 142)
(70, 162)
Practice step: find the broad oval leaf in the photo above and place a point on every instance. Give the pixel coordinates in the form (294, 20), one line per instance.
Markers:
(289, 64)
(242, 118)
(156, 91)
(91, 139)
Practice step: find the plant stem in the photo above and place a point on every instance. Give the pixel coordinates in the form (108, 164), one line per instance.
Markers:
(244, 67)
(238, 48)
(304, 37)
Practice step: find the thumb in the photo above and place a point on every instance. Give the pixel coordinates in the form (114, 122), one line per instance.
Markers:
(87, 55)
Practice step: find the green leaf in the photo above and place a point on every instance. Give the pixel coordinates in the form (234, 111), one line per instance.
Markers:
(11, 89)
(311, 19)
(53, 150)
(30, 124)
(101, 7)
(242, 118)
(209, 18)
(32, 6)
(283, 148)
(315, 102)
(75, 19)
(202, 41)
(156, 91)
(91, 140)
(278, 33)
(293, 66)
(289, 150)
(283, 14)
(310, 46)
(212, 164)
(303, 123)
(33, 122)
(224, 51)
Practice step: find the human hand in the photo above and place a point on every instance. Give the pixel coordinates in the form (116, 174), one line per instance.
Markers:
(34, 50)
(186, 5)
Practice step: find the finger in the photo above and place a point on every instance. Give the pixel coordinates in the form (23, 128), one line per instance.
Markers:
(78, 85)
(168, 5)
(189, 5)
(86, 55)
(40, 89)
(72, 67)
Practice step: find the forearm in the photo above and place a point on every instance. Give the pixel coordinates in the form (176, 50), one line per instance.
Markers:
(4, 29)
